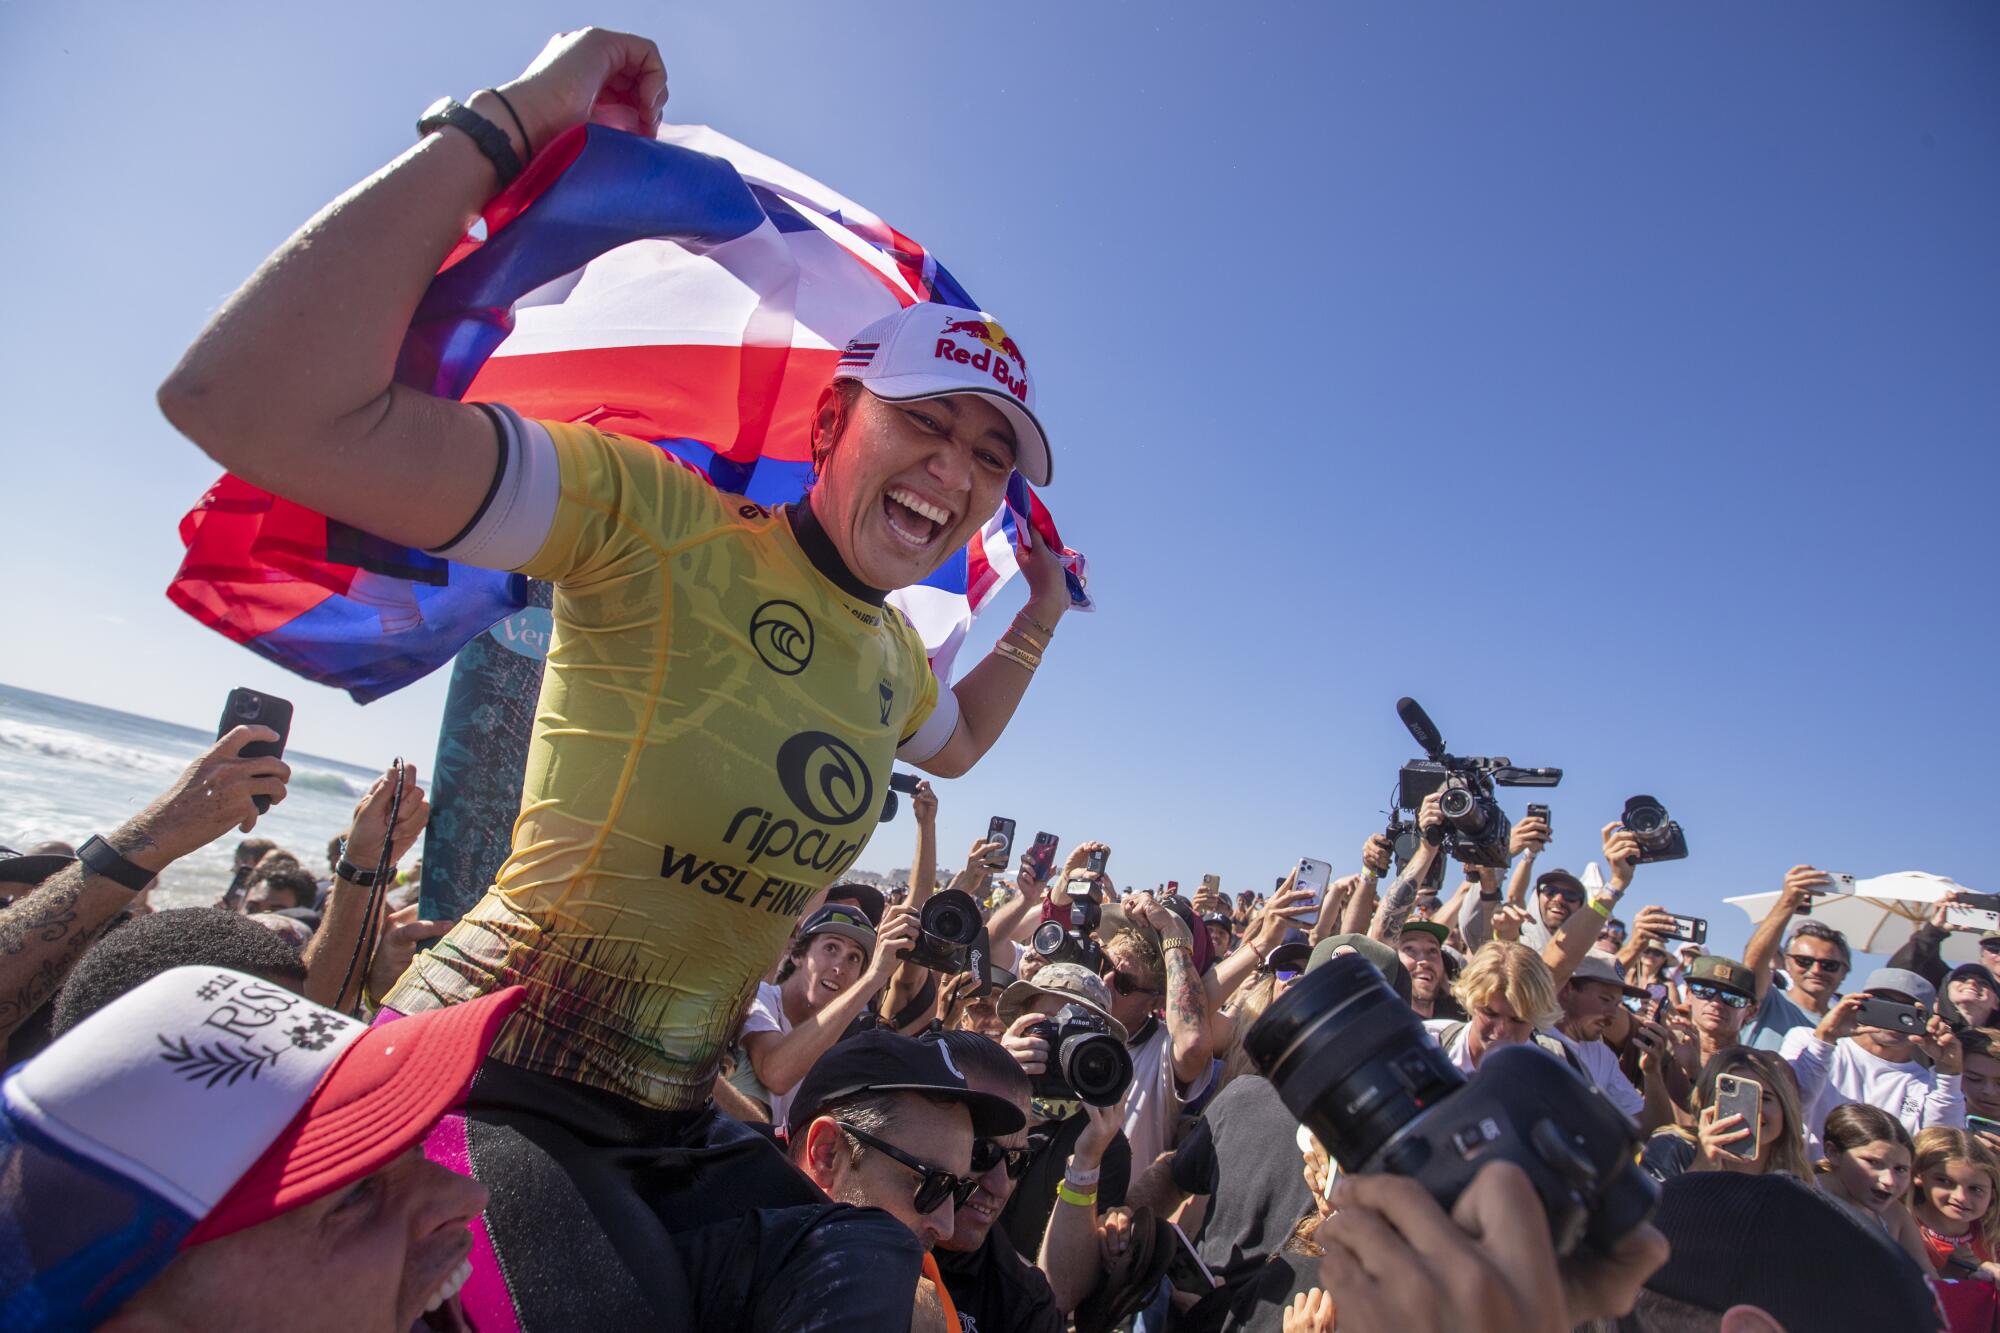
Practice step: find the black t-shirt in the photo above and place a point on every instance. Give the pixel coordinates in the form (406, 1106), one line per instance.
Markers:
(997, 1291)
(1244, 1154)
(1667, 1154)
(1261, 1306)
(1026, 1216)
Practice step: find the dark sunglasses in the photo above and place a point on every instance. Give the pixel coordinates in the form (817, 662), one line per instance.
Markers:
(1567, 892)
(1701, 990)
(987, 1154)
(937, 1184)
(1829, 965)
(1124, 985)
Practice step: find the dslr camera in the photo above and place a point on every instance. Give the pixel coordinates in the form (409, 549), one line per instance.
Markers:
(1660, 838)
(1086, 1063)
(947, 925)
(1355, 1065)
(1057, 943)
(1476, 829)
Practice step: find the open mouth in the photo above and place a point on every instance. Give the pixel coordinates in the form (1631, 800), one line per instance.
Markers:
(442, 1313)
(915, 520)
(983, 1206)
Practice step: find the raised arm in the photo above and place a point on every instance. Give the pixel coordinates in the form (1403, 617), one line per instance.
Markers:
(46, 930)
(1070, 1257)
(1760, 955)
(990, 692)
(331, 949)
(1187, 998)
(1578, 933)
(291, 384)
(923, 862)
(1402, 895)
(782, 1059)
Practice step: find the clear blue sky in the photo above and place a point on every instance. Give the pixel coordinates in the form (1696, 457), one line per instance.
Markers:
(1620, 380)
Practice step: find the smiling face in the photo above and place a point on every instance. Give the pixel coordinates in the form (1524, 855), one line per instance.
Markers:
(1557, 900)
(1953, 1196)
(379, 1253)
(1815, 967)
(1873, 1175)
(830, 965)
(1981, 1082)
(904, 485)
(1974, 997)
(983, 1209)
(1423, 959)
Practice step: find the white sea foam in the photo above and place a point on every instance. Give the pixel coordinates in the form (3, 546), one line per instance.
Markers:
(71, 746)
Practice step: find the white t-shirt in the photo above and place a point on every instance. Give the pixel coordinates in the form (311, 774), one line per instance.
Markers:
(1601, 1063)
(1459, 1049)
(767, 1014)
(1833, 1073)
(1155, 1102)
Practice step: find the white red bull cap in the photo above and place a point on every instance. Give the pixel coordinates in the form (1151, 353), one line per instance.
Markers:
(929, 350)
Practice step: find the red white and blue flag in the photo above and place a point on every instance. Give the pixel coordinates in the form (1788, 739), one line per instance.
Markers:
(686, 290)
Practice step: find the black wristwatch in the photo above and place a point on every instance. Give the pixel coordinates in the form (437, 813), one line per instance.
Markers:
(492, 140)
(352, 873)
(101, 858)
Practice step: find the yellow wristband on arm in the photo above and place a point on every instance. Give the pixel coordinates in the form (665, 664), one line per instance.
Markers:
(1068, 1195)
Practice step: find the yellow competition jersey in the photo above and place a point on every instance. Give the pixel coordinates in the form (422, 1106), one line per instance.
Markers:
(712, 746)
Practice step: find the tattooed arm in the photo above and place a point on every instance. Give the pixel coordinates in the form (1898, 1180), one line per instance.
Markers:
(43, 934)
(1188, 1026)
(1395, 906)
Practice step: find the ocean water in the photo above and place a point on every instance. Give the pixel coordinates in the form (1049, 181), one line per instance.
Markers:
(69, 769)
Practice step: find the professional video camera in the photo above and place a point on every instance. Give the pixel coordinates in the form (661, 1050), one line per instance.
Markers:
(947, 925)
(1355, 1065)
(1475, 827)
(1660, 838)
(1086, 1063)
(1077, 943)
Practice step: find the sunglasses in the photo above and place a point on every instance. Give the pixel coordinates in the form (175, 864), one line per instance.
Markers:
(1831, 966)
(1566, 892)
(987, 1154)
(1701, 990)
(936, 1184)
(1123, 983)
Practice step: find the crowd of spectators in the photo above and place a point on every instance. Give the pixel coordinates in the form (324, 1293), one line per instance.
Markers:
(196, 1093)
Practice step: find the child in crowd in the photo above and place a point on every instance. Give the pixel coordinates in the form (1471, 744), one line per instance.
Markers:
(1721, 1143)
(1866, 1170)
(1956, 1203)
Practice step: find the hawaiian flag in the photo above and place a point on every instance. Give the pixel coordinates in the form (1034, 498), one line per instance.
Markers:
(686, 290)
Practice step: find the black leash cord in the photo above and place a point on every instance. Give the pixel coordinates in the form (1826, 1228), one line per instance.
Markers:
(370, 936)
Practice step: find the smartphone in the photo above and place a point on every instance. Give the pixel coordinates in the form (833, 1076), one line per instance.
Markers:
(1839, 884)
(1211, 884)
(1744, 1097)
(1185, 1269)
(1959, 916)
(1891, 1016)
(1000, 829)
(1541, 812)
(239, 888)
(247, 708)
(1637, 1004)
(1693, 929)
(1313, 877)
(1041, 856)
(1094, 863)
(1173, 888)
(1980, 1124)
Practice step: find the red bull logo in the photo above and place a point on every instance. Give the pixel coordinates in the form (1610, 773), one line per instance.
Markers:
(997, 350)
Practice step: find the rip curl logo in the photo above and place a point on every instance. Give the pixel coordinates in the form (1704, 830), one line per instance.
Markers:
(782, 634)
(825, 778)
(213, 1063)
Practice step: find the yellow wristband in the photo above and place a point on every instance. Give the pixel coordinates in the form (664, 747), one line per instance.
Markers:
(1068, 1195)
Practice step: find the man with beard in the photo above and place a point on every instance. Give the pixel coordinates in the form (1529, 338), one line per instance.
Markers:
(1719, 994)
(1421, 947)
(1816, 961)
(1592, 1005)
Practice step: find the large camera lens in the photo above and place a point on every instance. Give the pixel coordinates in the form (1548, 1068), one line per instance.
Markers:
(951, 915)
(1097, 1067)
(1645, 817)
(1050, 939)
(1456, 803)
(1349, 1059)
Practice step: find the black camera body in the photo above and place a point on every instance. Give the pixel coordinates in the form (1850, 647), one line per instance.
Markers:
(1086, 1063)
(1660, 838)
(1355, 1065)
(947, 924)
(1476, 830)
(1056, 943)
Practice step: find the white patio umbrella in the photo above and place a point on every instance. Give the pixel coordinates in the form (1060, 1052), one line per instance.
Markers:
(1881, 914)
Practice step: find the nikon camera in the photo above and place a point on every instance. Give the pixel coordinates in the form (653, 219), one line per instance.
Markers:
(1086, 1062)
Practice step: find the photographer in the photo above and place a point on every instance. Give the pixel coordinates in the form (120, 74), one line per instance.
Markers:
(837, 965)
(1592, 1005)
(44, 931)
(1476, 919)
(1840, 1061)
(1062, 1136)
(1817, 960)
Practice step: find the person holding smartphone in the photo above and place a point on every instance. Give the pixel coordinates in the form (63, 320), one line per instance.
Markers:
(1725, 1138)
(1816, 959)
(1842, 1061)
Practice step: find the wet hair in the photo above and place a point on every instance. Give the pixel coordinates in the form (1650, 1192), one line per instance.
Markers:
(292, 878)
(252, 850)
(975, 1051)
(1504, 968)
(1855, 1124)
(1819, 930)
(1941, 1146)
(148, 945)
(1789, 1152)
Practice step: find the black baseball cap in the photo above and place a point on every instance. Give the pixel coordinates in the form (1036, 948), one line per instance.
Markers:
(865, 896)
(880, 1061)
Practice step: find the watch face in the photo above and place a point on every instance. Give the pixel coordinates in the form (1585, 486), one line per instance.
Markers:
(432, 112)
